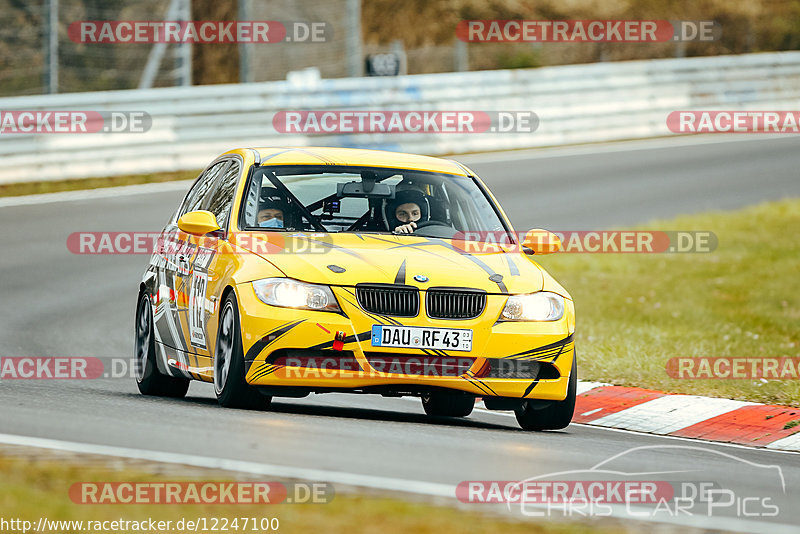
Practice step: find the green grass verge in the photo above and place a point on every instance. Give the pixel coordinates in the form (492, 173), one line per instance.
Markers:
(56, 186)
(34, 489)
(635, 311)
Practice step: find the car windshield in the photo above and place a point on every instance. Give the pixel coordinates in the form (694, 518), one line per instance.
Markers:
(366, 199)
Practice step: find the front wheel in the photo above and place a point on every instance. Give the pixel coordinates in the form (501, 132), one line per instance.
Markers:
(229, 384)
(149, 379)
(445, 404)
(554, 416)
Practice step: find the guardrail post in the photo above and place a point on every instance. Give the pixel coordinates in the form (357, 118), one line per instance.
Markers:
(355, 57)
(185, 48)
(461, 56)
(51, 47)
(245, 69)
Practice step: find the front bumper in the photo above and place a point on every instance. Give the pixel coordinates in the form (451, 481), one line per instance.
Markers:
(270, 334)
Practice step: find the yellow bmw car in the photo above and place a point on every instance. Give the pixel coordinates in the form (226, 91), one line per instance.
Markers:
(291, 271)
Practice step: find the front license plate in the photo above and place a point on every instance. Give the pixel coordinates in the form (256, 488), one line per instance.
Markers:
(421, 337)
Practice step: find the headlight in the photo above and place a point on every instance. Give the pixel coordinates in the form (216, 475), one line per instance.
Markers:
(541, 306)
(288, 293)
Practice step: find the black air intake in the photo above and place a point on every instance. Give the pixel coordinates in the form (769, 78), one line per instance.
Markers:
(454, 303)
(388, 299)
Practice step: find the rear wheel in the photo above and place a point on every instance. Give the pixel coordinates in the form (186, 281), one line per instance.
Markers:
(445, 404)
(148, 378)
(553, 416)
(229, 384)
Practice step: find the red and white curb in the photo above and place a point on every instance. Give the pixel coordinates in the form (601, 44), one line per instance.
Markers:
(688, 416)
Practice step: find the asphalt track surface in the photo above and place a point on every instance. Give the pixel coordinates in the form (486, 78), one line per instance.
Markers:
(55, 303)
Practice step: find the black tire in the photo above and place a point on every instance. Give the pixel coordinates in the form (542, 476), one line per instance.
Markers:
(229, 384)
(149, 379)
(554, 416)
(444, 404)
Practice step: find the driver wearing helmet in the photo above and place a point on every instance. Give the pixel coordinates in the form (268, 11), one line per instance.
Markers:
(273, 210)
(271, 214)
(406, 209)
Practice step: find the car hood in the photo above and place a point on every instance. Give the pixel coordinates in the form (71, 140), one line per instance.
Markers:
(347, 259)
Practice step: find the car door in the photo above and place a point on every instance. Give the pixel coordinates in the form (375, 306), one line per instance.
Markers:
(211, 257)
(178, 250)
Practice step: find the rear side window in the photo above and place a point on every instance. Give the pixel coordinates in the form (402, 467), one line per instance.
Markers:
(220, 201)
(197, 195)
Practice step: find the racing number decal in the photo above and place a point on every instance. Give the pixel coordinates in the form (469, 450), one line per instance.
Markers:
(197, 297)
(196, 310)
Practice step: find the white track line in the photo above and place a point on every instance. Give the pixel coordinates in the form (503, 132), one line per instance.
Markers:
(320, 475)
(367, 481)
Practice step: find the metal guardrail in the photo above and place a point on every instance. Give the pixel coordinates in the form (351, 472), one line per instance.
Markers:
(575, 104)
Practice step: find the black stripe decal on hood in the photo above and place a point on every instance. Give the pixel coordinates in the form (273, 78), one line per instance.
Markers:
(433, 241)
(420, 246)
(334, 246)
(400, 278)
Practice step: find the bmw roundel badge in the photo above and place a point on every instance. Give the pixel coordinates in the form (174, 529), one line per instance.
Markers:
(421, 278)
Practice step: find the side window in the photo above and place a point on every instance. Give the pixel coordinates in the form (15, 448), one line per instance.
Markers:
(220, 201)
(251, 205)
(198, 194)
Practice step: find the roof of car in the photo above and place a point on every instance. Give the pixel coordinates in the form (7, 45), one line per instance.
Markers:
(356, 157)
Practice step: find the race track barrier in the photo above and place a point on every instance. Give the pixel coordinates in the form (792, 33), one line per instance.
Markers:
(575, 104)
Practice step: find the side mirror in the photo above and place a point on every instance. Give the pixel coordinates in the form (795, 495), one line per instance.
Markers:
(541, 242)
(198, 222)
